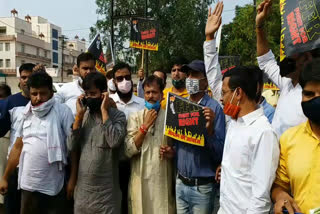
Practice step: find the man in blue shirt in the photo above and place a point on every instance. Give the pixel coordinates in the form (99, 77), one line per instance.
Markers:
(196, 189)
(7, 109)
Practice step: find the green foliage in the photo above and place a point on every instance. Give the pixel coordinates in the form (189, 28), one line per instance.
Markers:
(182, 25)
(239, 37)
(181, 29)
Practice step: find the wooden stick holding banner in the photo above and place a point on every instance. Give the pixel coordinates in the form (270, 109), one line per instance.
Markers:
(142, 59)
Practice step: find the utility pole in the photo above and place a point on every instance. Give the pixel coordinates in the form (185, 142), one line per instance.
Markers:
(147, 52)
(112, 29)
(62, 37)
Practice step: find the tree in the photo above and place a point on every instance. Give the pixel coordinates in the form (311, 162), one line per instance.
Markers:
(181, 24)
(239, 38)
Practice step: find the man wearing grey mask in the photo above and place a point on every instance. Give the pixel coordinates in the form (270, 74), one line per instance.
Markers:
(196, 188)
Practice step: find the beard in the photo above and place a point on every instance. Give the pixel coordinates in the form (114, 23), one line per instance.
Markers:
(122, 95)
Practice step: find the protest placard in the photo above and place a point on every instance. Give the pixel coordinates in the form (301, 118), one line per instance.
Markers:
(144, 34)
(300, 26)
(185, 121)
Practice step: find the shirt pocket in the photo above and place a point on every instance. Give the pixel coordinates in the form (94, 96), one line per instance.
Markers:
(240, 156)
(27, 129)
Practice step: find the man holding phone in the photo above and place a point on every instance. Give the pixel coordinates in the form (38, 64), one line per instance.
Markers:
(98, 131)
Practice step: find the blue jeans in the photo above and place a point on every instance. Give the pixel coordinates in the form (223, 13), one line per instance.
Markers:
(202, 199)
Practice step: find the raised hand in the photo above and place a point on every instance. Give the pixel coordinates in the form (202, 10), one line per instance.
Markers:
(81, 108)
(263, 11)
(214, 21)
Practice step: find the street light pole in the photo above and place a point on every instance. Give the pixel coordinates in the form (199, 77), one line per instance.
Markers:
(62, 37)
(147, 52)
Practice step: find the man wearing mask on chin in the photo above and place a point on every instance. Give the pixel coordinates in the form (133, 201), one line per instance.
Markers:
(70, 92)
(40, 150)
(96, 135)
(128, 103)
(150, 186)
(178, 81)
(196, 188)
(297, 186)
(251, 153)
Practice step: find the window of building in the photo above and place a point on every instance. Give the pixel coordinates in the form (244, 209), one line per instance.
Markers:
(55, 57)
(55, 45)
(45, 54)
(1, 46)
(8, 63)
(22, 31)
(7, 46)
(38, 51)
(1, 63)
(3, 30)
(22, 48)
(55, 34)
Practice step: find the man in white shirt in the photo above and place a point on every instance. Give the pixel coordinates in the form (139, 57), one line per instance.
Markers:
(40, 150)
(128, 103)
(124, 98)
(251, 151)
(289, 111)
(70, 92)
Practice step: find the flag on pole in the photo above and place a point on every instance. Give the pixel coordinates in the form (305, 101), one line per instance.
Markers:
(95, 49)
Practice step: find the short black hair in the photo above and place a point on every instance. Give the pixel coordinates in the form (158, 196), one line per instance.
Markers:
(40, 79)
(178, 60)
(84, 57)
(118, 66)
(153, 79)
(164, 73)
(95, 79)
(310, 72)
(26, 67)
(5, 90)
(247, 78)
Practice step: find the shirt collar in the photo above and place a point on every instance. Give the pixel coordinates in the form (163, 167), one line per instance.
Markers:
(251, 117)
(203, 100)
(134, 99)
(309, 130)
(180, 94)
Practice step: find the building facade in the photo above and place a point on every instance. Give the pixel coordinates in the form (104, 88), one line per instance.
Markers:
(35, 40)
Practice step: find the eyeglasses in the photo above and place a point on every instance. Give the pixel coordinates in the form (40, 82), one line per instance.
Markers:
(120, 78)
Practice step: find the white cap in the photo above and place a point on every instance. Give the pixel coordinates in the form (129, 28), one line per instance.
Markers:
(111, 85)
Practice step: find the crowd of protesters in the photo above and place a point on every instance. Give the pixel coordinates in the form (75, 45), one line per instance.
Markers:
(97, 145)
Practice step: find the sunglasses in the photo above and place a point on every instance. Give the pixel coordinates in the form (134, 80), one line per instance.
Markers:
(121, 78)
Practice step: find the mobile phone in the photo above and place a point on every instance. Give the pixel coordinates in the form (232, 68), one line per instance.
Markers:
(286, 212)
(84, 101)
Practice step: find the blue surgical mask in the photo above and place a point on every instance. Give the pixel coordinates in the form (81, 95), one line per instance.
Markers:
(155, 106)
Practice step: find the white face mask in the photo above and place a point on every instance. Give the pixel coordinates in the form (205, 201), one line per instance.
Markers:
(125, 86)
(193, 85)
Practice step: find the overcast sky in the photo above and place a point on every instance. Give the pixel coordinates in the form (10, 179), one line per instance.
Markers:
(77, 16)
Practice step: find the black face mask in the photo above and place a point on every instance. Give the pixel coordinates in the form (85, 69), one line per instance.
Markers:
(94, 104)
(311, 110)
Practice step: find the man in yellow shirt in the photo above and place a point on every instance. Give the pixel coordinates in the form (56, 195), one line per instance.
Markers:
(178, 81)
(297, 184)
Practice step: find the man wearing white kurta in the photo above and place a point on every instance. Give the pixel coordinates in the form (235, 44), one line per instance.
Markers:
(251, 152)
(151, 181)
(69, 92)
